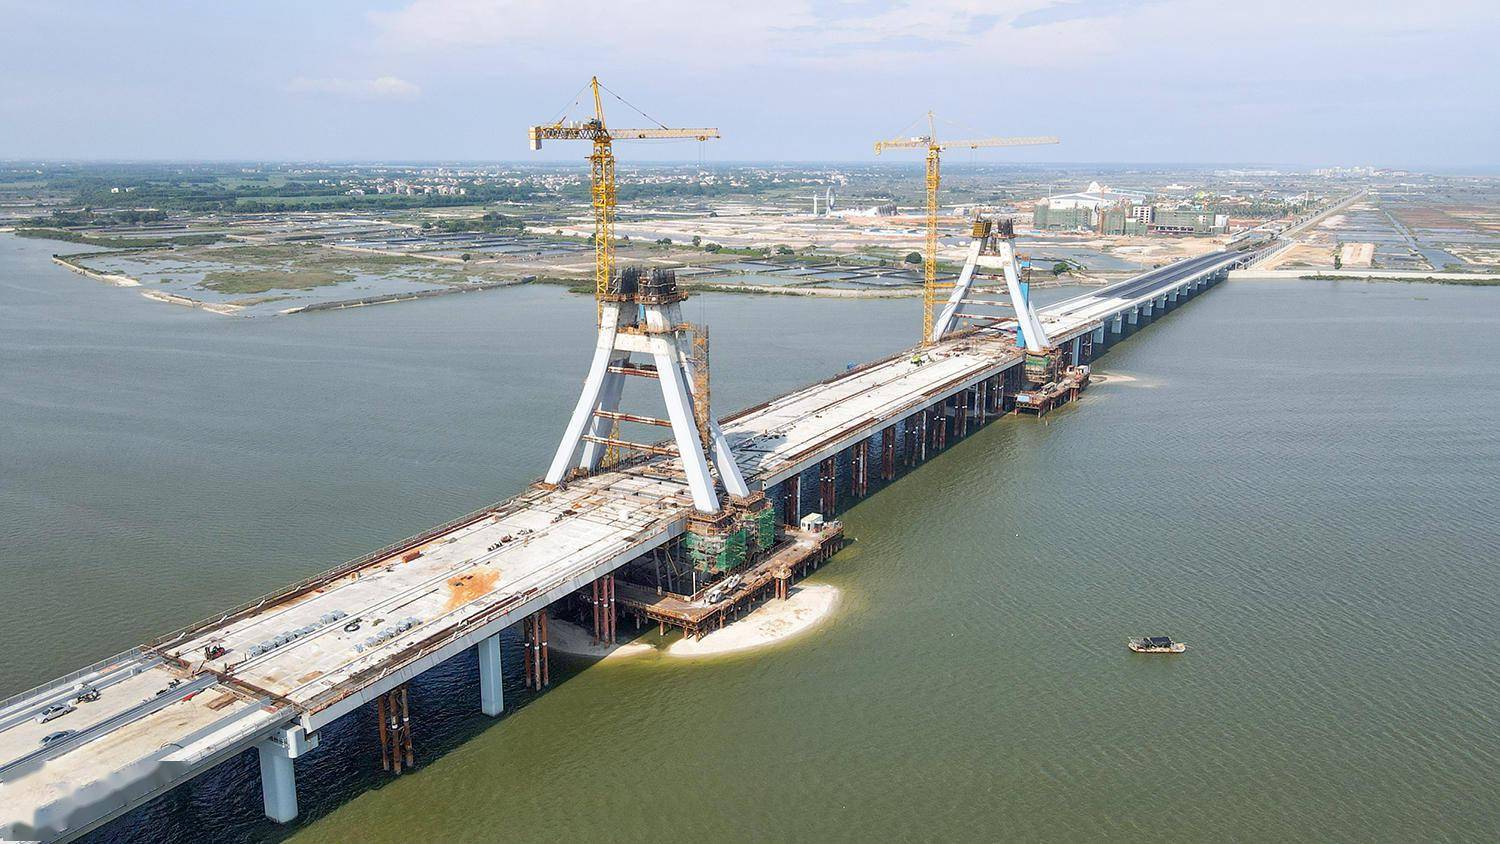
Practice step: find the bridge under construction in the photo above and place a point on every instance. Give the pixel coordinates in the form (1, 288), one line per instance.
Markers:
(686, 530)
(271, 673)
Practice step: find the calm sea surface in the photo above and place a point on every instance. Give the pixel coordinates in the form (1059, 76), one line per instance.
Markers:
(1299, 479)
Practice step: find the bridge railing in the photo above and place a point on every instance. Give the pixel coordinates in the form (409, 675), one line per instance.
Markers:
(183, 633)
(66, 679)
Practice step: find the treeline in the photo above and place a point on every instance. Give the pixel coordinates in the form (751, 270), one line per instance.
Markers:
(90, 217)
(491, 223)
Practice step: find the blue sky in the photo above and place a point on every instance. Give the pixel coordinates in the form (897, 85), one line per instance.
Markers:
(1311, 82)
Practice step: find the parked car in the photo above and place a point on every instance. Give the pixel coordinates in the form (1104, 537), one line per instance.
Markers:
(54, 712)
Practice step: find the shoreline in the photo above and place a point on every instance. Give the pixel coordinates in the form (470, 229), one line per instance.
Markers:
(567, 637)
(807, 607)
(771, 623)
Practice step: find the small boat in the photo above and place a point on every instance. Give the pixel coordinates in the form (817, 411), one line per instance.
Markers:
(1155, 645)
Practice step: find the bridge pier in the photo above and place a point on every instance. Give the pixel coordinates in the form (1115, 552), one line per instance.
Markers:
(534, 633)
(859, 469)
(828, 490)
(888, 453)
(278, 782)
(1133, 316)
(491, 683)
(278, 777)
(792, 500)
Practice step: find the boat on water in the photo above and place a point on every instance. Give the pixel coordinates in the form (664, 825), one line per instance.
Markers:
(1155, 645)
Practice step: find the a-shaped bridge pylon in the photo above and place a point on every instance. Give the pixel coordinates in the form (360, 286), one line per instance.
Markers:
(641, 314)
(992, 248)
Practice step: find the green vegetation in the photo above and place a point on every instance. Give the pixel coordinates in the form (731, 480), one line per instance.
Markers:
(120, 242)
(1060, 268)
(491, 223)
(262, 280)
(913, 258)
(259, 268)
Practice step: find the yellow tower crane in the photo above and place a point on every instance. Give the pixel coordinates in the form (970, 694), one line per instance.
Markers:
(602, 171)
(930, 286)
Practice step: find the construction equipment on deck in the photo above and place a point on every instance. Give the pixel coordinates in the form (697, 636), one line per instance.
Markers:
(934, 149)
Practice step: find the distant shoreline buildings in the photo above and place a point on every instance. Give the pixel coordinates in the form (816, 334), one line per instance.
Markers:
(1114, 212)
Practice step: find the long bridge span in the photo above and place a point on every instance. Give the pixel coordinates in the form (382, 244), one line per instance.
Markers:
(175, 707)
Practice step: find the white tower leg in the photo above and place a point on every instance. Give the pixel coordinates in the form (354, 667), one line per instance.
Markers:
(944, 322)
(656, 328)
(599, 426)
(680, 411)
(729, 471)
(588, 401)
(1036, 338)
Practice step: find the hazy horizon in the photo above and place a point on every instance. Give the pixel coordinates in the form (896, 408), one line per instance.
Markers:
(1147, 83)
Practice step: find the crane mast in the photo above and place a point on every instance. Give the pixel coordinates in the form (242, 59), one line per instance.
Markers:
(602, 195)
(930, 285)
(602, 173)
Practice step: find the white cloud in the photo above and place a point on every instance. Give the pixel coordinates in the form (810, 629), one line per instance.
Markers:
(381, 87)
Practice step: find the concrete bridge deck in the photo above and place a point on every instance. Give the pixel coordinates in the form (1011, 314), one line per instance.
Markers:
(168, 711)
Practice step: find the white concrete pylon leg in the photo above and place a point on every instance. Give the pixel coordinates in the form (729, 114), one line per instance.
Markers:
(1036, 338)
(685, 431)
(491, 679)
(729, 471)
(600, 426)
(588, 401)
(944, 322)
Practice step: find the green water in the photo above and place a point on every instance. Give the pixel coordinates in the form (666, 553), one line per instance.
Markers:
(1300, 481)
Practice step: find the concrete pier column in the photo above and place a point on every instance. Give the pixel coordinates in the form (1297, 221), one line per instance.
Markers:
(491, 684)
(1133, 316)
(1077, 348)
(1147, 308)
(278, 779)
(278, 782)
